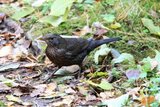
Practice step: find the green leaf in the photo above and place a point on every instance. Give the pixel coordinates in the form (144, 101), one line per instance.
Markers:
(38, 3)
(97, 74)
(150, 25)
(54, 21)
(157, 57)
(146, 67)
(108, 18)
(105, 85)
(124, 57)
(59, 7)
(91, 83)
(13, 98)
(115, 26)
(2, 104)
(116, 102)
(8, 82)
(103, 51)
(22, 13)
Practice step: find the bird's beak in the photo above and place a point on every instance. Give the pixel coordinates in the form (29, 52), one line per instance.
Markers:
(41, 38)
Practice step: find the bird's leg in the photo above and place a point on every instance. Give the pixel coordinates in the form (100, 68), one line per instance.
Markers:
(80, 71)
(50, 75)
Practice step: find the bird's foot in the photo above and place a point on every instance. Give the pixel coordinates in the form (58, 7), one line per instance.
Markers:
(51, 74)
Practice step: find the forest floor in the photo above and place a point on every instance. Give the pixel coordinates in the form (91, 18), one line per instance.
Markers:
(121, 74)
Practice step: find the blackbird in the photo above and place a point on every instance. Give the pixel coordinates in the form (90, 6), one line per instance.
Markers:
(70, 51)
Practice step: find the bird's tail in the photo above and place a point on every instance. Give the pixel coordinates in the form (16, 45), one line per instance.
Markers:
(96, 43)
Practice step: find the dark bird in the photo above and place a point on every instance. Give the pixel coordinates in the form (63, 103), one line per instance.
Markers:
(70, 51)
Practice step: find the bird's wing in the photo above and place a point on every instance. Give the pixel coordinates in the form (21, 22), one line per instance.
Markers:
(76, 45)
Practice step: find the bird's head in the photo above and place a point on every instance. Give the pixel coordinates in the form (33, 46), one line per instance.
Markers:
(52, 39)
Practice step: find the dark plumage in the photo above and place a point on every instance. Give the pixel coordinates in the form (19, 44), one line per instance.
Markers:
(70, 51)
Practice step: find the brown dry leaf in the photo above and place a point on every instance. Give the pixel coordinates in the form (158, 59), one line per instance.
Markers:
(70, 91)
(10, 104)
(50, 88)
(6, 1)
(39, 89)
(12, 25)
(83, 31)
(98, 25)
(153, 14)
(30, 65)
(134, 93)
(83, 90)
(2, 16)
(147, 100)
(154, 64)
(3, 60)
(100, 32)
(19, 52)
(6, 50)
(25, 43)
(107, 94)
(90, 97)
(67, 100)
(4, 88)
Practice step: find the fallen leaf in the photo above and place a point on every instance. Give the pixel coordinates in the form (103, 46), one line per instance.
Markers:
(67, 100)
(99, 25)
(83, 90)
(38, 3)
(83, 31)
(116, 102)
(148, 23)
(8, 82)
(134, 92)
(147, 100)
(4, 87)
(6, 50)
(13, 98)
(63, 5)
(22, 13)
(90, 97)
(12, 25)
(100, 32)
(70, 91)
(39, 89)
(106, 94)
(6, 1)
(124, 57)
(50, 88)
(2, 16)
(133, 74)
(54, 21)
(103, 51)
(9, 66)
(105, 85)
(153, 14)
(157, 58)
(109, 18)
(115, 25)
(154, 64)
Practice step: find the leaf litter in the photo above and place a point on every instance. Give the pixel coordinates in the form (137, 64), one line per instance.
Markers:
(21, 69)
